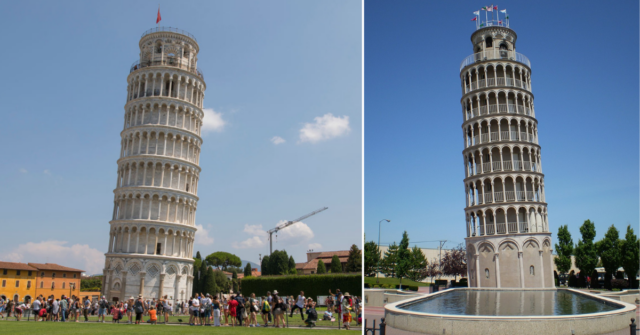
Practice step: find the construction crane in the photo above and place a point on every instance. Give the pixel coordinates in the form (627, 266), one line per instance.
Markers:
(287, 224)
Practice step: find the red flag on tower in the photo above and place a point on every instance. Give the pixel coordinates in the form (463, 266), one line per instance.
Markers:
(159, 18)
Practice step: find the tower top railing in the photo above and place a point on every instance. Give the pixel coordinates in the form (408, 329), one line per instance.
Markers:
(168, 29)
(166, 62)
(495, 54)
(493, 23)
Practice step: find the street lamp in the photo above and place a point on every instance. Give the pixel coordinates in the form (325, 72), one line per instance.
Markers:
(378, 272)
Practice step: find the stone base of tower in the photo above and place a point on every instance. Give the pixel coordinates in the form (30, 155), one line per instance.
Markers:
(510, 261)
(128, 275)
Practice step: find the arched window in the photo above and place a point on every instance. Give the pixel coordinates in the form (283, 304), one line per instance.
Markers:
(53, 275)
(41, 284)
(187, 187)
(53, 284)
(503, 46)
(63, 284)
(532, 270)
(41, 274)
(488, 42)
(486, 273)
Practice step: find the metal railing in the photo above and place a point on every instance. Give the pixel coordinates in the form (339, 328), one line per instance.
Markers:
(495, 54)
(166, 62)
(168, 29)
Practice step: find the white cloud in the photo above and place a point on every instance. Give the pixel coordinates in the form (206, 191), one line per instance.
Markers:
(253, 242)
(47, 172)
(212, 121)
(298, 232)
(277, 140)
(254, 230)
(315, 246)
(325, 127)
(202, 236)
(23, 170)
(79, 256)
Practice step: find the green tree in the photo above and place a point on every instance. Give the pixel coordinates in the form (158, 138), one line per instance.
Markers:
(564, 248)
(609, 252)
(630, 256)
(195, 286)
(204, 272)
(417, 270)
(292, 264)
(209, 285)
(264, 266)
(235, 285)
(279, 262)
(404, 257)
(585, 250)
(234, 274)
(321, 269)
(336, 266)
(371, 258)
(390, 261)
(198, 255)
(354, 262)
(247, 270)
(222, 282)
(223, 260)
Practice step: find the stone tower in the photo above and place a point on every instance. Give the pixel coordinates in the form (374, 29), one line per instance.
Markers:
(508, 240)
(153, 224)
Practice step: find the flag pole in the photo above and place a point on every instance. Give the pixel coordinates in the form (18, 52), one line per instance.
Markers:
(498, 16)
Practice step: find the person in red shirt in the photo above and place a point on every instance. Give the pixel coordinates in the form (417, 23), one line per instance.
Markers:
(232, 310)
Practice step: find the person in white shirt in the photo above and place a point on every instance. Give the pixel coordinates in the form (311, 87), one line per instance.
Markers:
(195, 307)
(299, 305)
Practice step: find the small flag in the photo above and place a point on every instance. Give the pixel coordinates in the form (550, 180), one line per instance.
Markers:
(159, 18)
(507, 17)
(489, 9)
(476, 13)
(495, 7)
(483, 8)
(474, 19)
(481, 24)
(500, 22)
(504, 11)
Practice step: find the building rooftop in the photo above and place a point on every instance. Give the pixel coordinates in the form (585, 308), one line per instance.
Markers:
(16, 266)
(53, 267)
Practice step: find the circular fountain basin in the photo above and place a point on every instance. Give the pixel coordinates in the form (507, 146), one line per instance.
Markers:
(509, 311)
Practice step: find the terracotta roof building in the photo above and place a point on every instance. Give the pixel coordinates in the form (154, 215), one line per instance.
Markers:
(314, 256)
(24, 282)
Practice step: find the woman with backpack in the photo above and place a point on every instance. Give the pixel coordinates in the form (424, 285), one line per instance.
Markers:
(138, 308)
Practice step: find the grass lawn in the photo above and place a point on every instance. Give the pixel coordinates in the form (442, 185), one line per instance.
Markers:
(11, 327)
(393, 281)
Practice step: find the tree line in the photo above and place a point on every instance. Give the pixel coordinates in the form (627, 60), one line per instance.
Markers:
(400, 261)
(610, 252)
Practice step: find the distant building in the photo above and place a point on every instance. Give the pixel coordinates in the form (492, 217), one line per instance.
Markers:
(24, 282)
(313, 257)
(431, 254)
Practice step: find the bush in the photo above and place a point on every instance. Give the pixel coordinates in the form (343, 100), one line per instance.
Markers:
(594, 279)
(366, 285)
(619, 283)
(313, 285)
(462, 283)
(408, 287)
(441, 282)
(619, 275)
(573, 280)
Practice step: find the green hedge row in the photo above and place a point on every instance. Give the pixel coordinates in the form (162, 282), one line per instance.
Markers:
(312, 285)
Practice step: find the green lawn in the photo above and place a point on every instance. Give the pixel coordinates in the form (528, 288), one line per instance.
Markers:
(12, 327)
(393, 281)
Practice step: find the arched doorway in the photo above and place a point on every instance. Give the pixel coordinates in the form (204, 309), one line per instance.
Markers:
(16, 298)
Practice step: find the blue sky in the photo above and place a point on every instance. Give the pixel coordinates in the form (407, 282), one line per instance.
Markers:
(584, 58)
(272, 69)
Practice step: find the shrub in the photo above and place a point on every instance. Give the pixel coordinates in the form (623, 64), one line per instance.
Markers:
(573, 280)
(442, 282)
(619, 283)
(463, 283)
(313, 285)
(366, 285)
(594, 279)
(408, 287)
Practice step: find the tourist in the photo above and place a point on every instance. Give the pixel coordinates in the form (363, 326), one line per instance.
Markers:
(328, 316)
(216, 311)
(114, 314)
(312, 314)
(206, 304)
(36, 308)
(346, 310)
(240, 310)
(195, 311)
(299, 305)
(233, 310)
(329, 303)
(77, 308)
(17, 311)
(166, 309)
(87, 308)
(225, 306)
(153, 318)
(64, 304)
(265, 310)
(55, 309)
(138, 308)
(103, 305)
(280, 310)
(2, 304)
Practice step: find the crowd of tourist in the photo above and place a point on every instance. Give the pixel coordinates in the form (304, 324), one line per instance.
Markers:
(202, 309)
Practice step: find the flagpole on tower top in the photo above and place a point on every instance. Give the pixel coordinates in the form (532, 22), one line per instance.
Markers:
(159, 17)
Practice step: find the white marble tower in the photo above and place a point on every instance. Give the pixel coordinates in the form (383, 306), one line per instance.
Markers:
(153, 224)
(508, 240)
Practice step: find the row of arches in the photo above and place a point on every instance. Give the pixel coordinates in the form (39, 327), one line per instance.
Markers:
(161, 113)
(167, 83)
(151, 240)
(497, 102)
(158, 174)
(511, 263)
(512, 219)
(160, 143)
(499, 158)
(155, 206)
(500, 129)
(500, 188)
(170, 51)
(494, 74)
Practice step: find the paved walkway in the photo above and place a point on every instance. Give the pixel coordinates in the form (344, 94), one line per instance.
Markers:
(376, 313)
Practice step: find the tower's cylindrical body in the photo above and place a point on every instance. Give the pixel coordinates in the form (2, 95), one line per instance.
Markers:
(153, 225)
(508, 240)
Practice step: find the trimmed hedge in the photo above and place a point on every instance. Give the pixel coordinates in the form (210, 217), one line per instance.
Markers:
(312, 285)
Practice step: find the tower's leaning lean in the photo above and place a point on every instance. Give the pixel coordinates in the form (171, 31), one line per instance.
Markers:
(153, 225)
(508, 240)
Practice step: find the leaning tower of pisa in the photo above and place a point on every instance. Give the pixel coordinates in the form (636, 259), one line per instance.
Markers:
(153, 225)
(508, 240)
